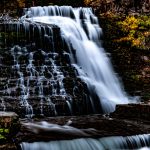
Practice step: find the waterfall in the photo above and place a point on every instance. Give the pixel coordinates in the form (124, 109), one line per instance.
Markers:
(29, 75)
(81, 32)
(108, 143)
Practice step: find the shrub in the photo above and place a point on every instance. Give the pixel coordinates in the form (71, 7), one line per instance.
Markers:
(136, 30)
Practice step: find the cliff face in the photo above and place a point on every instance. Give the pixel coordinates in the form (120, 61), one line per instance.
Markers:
(53, 85)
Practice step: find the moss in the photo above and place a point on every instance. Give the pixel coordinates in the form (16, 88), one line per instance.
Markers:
(3, 133)
(135, 77)
(2, 137)
(147, 96)
(3, 130)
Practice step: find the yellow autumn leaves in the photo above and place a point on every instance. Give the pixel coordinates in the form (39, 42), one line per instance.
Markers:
(136, 30)
(86, 2)
(21, 3)
(130, 23)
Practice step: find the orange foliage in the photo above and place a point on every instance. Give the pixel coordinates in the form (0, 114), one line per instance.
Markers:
(21, 3)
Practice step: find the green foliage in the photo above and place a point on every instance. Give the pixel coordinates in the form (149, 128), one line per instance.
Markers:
(135, 77)
(3, 133)
(2, 137)
(3, 130)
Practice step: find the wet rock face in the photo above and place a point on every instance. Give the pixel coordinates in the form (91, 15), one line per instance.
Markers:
(87, 126)
(8, 146)
(36, 75)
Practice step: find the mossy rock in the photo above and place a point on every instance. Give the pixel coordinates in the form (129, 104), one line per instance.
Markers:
(9, 125)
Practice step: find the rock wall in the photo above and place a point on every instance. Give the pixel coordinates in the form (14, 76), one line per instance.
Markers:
(133, 111)
(39, 75)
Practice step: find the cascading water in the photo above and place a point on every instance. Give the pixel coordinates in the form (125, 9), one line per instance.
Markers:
(29, 75)
(81, 31)
(35, 75)
(108, 143)
(137, 142)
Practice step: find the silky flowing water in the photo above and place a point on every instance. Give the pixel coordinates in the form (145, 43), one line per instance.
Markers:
(80, 33)
(108, 143)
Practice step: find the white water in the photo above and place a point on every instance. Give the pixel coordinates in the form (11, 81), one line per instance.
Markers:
(37, 74)
(109, 143)
(91, 61)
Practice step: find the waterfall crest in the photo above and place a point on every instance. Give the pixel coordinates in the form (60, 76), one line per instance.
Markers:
(81, 31)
